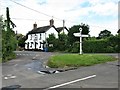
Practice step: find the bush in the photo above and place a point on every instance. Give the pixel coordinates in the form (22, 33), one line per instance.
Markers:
(75, 48)
(98, 46)
(9, 57)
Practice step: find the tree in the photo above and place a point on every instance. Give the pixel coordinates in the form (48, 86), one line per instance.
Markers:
(51, 40)
(1, 29)
(75, 29)
(21, 40)
(9, 41)
(104, 34)
(62, 42)
(57, 44)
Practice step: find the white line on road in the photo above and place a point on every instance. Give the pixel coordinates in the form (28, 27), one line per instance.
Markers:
(71, 82)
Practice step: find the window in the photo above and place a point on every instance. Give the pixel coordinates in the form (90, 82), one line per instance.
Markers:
(31, 37)
(40, 37)
(31, 44)
(40, 45)
(35, 38)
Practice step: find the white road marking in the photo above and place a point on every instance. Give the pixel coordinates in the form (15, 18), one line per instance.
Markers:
(71, 82)
(26, 54)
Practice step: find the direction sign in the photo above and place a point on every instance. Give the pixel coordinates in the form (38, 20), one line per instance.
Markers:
(78, 35)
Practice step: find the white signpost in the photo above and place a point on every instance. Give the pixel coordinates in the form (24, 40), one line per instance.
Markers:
(80, 35)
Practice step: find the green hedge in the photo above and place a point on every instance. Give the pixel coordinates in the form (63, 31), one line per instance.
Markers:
(98, 46)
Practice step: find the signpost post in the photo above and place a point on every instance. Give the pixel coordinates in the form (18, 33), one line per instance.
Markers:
(80, 29)
(80, 35)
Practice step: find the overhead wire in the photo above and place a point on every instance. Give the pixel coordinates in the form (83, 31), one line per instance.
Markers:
(34, 10)
(45, 15)
(28, 19)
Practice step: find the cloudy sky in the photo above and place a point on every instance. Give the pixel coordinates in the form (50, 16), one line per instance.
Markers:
(98, 14)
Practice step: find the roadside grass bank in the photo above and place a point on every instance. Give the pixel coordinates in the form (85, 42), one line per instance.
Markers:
(0, 60)
(76, 60)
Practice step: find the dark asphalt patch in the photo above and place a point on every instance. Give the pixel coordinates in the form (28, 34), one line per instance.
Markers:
(11, 87)
(38, 67)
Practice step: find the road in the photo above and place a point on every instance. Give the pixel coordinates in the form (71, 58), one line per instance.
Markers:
(97, 76)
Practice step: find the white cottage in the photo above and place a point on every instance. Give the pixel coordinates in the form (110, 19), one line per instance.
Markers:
(36, 38)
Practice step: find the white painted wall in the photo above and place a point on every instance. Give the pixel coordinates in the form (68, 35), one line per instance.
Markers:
(50, 31)
(36, 38)
(65, 31)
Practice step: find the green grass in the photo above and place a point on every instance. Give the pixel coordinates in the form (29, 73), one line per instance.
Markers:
(0, 60)
(75, 60)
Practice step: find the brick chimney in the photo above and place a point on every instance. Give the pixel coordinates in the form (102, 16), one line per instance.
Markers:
(34, 25)
(51, 22)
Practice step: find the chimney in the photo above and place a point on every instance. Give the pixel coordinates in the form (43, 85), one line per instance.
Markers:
(34, 26)
(51, 22)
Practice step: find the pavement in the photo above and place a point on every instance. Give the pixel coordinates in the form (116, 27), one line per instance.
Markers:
(105, 75)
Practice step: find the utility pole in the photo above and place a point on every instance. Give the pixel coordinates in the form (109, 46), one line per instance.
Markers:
(63, 25)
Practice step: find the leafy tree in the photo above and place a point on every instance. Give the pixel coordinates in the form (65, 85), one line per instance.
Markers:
(57, 44)
(21, 40)
(63, 43)
(1, 29)
(51, 38)
(9, 41)
(75, 29)
(51, 42)
(104, 34)
(85, 28)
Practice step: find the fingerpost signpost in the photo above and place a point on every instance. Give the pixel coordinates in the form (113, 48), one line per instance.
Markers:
(80, 35)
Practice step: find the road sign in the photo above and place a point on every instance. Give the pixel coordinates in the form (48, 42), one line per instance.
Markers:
(80, 35)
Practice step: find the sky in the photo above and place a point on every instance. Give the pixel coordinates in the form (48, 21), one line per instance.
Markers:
(98, 14)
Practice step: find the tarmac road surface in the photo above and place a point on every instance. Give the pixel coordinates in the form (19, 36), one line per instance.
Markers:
(98, 76)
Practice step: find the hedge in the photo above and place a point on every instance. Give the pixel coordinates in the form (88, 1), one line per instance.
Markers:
(98, 46)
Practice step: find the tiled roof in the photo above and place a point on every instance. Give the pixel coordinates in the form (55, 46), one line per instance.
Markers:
(118, 31)
(59, 29)
(41, 29)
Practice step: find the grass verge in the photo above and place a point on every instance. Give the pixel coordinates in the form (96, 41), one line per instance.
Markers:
(0, 60)
(75, 60)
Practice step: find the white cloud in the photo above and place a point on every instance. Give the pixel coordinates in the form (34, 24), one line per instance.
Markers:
(70, 10)
(96, 28)
(109, 8)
